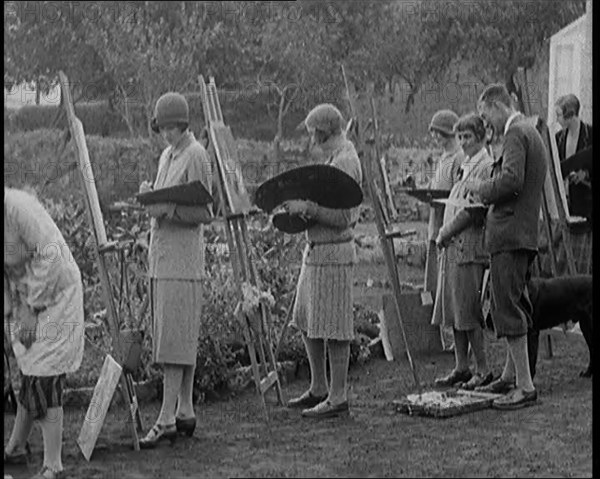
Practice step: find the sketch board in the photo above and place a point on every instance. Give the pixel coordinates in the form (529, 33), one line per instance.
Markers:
(101, 399)
(230, 170)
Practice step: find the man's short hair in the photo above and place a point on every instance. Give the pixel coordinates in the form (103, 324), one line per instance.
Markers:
(496, 92)
(569, 105)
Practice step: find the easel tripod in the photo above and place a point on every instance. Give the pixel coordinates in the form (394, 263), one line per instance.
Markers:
(235, 207)
(91, 428)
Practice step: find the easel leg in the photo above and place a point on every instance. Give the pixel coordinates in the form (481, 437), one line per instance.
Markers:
(134, 401)
(549, 346)
(254, 365)
(133, 409)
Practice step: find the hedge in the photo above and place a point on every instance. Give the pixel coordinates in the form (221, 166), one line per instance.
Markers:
(247, 115)
(120, 164)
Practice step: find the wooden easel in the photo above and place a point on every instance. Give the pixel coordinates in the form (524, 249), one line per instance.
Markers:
(553, 190)
(386, 238)
(235, 206)
(91, 427)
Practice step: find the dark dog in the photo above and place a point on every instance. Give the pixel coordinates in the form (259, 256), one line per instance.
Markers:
(555, 301)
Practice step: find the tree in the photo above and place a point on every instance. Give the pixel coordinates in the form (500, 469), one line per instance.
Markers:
(500, 37)
(408, 40)
(152, 48)
(290, 60)
(41, 38)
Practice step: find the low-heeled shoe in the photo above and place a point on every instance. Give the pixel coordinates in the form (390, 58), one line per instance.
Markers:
(516, 400)
(159, 433)
(306, 400)
(326, 409)
(186, 426)
(499, 386)
(453, 378)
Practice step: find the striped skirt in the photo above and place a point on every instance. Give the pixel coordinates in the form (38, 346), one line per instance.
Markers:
(324, 301)
(38, 393)
(176, 310)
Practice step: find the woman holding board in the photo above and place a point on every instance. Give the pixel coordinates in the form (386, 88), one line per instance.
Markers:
(176, 267)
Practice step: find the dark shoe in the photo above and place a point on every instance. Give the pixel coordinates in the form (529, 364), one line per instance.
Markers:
(307, 400)
(18, 459)
(453, 378)
(516, 400)
(499, 386)
(186, 426)
(325, 409)
(47, 473)
(478, 380)
(159, 433)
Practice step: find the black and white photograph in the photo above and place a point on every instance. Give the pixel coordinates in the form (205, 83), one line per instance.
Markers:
(347, 238)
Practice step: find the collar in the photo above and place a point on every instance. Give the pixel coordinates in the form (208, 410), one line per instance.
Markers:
(457, 148)
(333, 144)
(186, 139)
(576, 128)
(469, 163)
(511, 118)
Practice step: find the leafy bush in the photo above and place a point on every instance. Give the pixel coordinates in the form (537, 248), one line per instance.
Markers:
(97, 119)
(37, 158)
(119, 165)
(221, 347)
(247, 114)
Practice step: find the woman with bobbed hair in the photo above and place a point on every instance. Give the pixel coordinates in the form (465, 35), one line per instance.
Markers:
(463, 261)
(176, 268)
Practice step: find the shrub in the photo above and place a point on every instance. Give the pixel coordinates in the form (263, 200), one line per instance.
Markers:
(247, 115)
(221, 347)
(120, 165)
(97, 119)
(36, 158)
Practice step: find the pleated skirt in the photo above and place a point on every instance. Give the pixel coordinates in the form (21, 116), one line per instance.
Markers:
(176, 312)
(324, 301)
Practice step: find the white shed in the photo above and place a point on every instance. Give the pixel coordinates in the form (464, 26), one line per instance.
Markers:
(571, 66)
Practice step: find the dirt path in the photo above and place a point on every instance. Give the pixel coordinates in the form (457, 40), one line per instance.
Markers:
(551, 439)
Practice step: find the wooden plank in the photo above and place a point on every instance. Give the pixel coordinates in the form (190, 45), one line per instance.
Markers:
(97, 223)
(230, 170)
(267, 382)
(93, 207)
(85, 165)
(421, 335)
(101, 399)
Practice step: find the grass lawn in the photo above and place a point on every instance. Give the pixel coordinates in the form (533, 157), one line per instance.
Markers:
(551, 439)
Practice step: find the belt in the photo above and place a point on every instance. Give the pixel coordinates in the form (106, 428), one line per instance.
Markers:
(312, 244)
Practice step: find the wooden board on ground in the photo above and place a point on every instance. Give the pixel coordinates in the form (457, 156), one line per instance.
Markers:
(101, 399)
(444, 404)
(421, 335)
